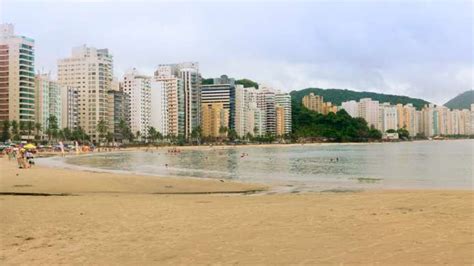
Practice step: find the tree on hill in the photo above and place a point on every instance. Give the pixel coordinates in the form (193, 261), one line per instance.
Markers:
(247, 83)
(339, 127)
(207, 81)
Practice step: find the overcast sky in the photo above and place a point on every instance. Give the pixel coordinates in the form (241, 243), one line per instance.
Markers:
(421, 49)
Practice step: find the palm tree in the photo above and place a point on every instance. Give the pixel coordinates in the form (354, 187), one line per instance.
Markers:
(38, 129)
(124, 129)
(102, 128)
(30, 126)
(196, 134)
(137, 135)
(152, 134)
(5, 130)
(22, 128)
(53, 127)
(14, 126)
(222, 131)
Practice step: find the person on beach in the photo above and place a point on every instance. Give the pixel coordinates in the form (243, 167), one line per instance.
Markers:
(20, 157)
(61, 146)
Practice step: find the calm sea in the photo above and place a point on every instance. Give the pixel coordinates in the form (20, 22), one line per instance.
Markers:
(407, 165)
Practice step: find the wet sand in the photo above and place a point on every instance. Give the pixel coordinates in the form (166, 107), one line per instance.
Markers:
(116, 219)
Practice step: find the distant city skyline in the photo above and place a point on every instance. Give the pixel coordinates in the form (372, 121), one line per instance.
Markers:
(421, 50)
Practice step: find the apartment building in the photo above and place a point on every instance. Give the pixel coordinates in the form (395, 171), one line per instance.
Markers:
(17, 76)
(118, 111)
(48, 100)
(351, 107)
(369, 110)
(167, 88)
(90, 71)
(69, 107)
(138, 87)
(283, 113)
(215, 118)
(388, 118)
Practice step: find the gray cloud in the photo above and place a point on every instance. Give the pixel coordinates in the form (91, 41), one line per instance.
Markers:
(421, 49)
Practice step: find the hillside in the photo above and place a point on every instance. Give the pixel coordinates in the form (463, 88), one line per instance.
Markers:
(462, 101)
(337, 96)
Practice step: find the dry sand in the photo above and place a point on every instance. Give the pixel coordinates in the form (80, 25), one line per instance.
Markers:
(114, 219)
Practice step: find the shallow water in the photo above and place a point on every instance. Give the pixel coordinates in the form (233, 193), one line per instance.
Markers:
(408, 165)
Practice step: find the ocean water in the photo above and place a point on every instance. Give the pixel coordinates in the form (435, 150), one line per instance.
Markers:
(405, 165)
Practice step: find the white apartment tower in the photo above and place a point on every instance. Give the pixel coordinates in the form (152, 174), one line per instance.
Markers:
(90, 70)
(388, 118)
(48, 100)
(138, 87)
(17, 76)
(351, 107)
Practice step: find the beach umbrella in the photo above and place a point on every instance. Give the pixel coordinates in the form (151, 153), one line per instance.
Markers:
(29, 146)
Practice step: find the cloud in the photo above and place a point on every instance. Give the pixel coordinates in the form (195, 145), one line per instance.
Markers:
(421, 49)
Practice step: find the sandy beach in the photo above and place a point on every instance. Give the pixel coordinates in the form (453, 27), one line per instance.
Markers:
(102, 218)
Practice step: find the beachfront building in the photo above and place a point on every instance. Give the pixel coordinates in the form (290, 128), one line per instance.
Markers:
(90, 71)
(351, 107)
(387, 117)
(406, 116)
(220, 93)
(167, 88)
(17, 76)
(159, 114)
(69, 107)
(48, 100)
(369, 110)
(269, 108)
(192, 98)
(188, 93)
(215, 119)
(239, 111)
(138, 87)
(283, 113)
(430, 120)
(118, 111)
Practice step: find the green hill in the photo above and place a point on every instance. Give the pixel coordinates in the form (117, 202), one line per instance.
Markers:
(337, 96)
(462, 101)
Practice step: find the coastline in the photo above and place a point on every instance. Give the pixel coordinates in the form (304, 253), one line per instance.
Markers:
(100, 218)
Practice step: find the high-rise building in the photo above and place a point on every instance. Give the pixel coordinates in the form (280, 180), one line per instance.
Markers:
(283, 108)
(90, 71)
(430, 120)
(167, 88)
(17, 76)
(215, 117)
(387, 117)
(69, 107)
(185, 80)
(220, 93)
(48, 100)
(119, 110)
(406, 116)
(313, 102)
(159, 109)
(239, 111)
(369, 110)
(138, 87)
(351, 107)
